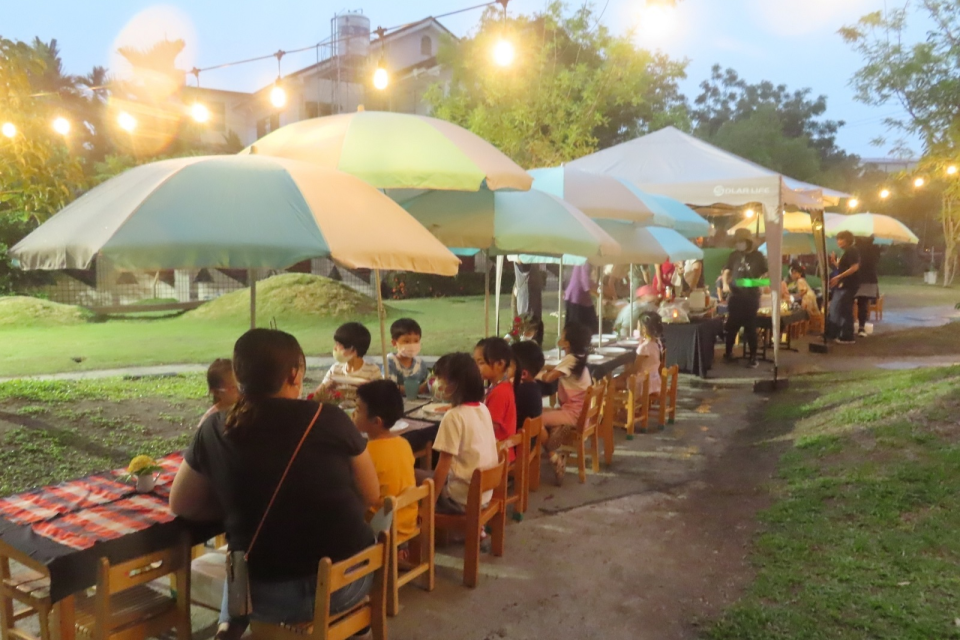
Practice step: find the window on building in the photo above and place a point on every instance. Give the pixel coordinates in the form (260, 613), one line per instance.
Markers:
(316, 109)
(218, 116)
(426, 46)
(268, 124)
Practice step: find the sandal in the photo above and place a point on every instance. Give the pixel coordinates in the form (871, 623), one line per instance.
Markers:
(557, 436)
(559, 461)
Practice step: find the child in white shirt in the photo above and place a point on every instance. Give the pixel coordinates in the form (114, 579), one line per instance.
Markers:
(406, 364)
(351, 342)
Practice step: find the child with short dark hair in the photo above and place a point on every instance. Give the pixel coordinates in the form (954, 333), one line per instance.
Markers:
(494, 358)
(222, 387)
(351, 341)
(465, 440)
(406, 363)
(529, 361)
(379, 407)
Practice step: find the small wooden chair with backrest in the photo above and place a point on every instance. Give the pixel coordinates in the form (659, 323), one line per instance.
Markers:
(666, 400)
(532, 433)
(370, 612)
(28, 587)
(472, 522)
(425, 456)
(615, 400)
(125, 607)
(587, 429)
(517, 470)
(421, 553)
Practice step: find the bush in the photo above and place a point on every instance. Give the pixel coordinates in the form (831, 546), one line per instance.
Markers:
(401, 285)
(14, 279)
(900, 260)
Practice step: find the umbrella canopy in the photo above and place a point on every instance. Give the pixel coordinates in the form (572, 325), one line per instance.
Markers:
(801, 244)
(597, 195)
(672, 214)
(884, 229)
(793, 222)
(510, 222)
(396, 151)
(233, 212)
(638, 245)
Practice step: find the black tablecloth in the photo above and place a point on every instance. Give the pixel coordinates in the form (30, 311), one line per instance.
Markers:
(786, 319)
(691, 345)
(602, 369)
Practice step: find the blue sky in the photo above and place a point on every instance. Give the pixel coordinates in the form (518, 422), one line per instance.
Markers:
(785, 41)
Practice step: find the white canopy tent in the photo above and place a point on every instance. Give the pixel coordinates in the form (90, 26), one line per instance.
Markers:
(672, 163)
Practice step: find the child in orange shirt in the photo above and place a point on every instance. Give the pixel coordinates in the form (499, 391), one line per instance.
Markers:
(379, 407)
(494, 358)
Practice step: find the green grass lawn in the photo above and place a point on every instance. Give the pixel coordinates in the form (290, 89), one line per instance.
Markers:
(862, 539)
(449, 324)
(902, 292)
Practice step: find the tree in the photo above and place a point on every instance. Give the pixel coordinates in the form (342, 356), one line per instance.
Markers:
(923, 79)
(728, 109)
(572, 88)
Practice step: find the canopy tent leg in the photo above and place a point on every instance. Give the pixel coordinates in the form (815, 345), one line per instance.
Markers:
(486, 297)
(632, 300)
(252, 277)
(559, 303)
(600, 311)
(382, 316)
(499, 282)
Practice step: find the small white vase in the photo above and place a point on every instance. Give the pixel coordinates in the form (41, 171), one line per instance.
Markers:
(146, 483)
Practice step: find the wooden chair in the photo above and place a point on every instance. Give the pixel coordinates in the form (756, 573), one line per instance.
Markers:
(124, 607)
(666, 400)
(876, 308)
(370, 612)
(516, 470)
(626, 403)
(422, 553)
(477, 516)
(532, 433)
(613, 402)
(425, 456)
(587, 429)
(27, 587)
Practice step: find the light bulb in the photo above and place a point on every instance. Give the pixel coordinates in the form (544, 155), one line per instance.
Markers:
(126, 121)
(749, 213)
(952, 170)
(278, 97)
(199, 112)
(381, 78)
(8, 129)
(62, 126)
(503, 53)
(853, 203)
(919, 182)
(884, 193)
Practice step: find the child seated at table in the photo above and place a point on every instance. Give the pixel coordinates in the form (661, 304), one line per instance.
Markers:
(351, 341)
(574, 380)
(528, 360)
(379, 407)
(650, 352)
(465, 440)
(406, 363)
(494, 358)
(222, 387)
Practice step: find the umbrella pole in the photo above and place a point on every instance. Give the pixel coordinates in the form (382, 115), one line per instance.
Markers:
(252, 277)
(600, 310)
(632, 300)
(486, 296)
(559, 303)
(499, 283)
(382, 316)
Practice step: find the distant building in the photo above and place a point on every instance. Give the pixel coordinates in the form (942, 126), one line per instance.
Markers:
(889, 165)
(339, 83)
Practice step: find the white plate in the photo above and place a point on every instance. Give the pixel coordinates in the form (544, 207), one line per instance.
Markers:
(630, 343)
(607, 337)
(436, 408)
(551, 362)
(595, 359)
(612, 351)
(349, 381)
(400, 425)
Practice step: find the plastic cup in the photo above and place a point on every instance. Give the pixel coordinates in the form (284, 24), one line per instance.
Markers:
(411, 388)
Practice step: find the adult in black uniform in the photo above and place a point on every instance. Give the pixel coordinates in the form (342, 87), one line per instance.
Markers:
(843, 287)
(869, 288)
(745, 263)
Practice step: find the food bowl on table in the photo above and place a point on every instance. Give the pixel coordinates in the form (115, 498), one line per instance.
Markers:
(436, 409)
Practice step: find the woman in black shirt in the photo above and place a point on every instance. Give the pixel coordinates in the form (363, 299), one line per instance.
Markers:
(235, 464)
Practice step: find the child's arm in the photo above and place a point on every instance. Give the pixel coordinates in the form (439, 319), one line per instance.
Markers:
(552, 375)
(441, 471)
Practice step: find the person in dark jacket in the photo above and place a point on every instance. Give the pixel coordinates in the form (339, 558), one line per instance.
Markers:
(868, 291)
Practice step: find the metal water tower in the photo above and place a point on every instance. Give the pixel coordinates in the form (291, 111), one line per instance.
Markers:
(351, 32)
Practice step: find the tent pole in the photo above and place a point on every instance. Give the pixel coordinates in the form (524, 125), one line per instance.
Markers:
(486, 296)
(499, 282)
(252, 277)
(632, 300)
(382, 316)
(559, 303)
(600, 309)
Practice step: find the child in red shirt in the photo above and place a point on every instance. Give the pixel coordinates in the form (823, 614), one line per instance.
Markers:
(494, 357)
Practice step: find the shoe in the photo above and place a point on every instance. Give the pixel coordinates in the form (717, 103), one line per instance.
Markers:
(729, 358)
(862, 334)
(839, 341)
(559, 461)
(753, 364)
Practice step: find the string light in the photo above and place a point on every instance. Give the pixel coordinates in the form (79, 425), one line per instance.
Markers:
(952, 170)
(126, 121)
(61, 125)
(503, 52)
(381, 78)
(853, 203)
(884, 193)
(199, 113)
(749, 213)
(8, 129)
(919, 182)
(278, 97)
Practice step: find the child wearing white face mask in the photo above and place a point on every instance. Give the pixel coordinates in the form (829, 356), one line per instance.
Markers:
(351, 341)
(406, 364)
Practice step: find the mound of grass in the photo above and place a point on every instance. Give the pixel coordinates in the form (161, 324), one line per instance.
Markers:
(24, 311)
(291, 297)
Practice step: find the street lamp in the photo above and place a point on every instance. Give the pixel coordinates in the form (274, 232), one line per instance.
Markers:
(61, 125)
(8, 129)
(126, 121)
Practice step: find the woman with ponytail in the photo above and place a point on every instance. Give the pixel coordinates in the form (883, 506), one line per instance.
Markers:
(235, 466)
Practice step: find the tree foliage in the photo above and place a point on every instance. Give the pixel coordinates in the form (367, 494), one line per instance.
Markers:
(573, 87)
(923, 78)
(768, 123)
